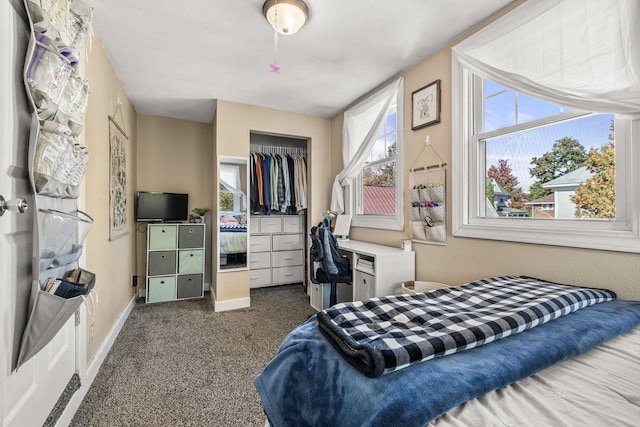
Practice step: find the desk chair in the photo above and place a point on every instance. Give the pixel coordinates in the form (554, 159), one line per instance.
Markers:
(324, 251)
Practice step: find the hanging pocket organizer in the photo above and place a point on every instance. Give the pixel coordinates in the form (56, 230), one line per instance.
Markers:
(61, 237)
(58, 95)
(427, 202)
(59, 162)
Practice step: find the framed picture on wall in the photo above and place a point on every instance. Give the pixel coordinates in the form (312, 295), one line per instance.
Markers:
(117, 181)
(425, 106)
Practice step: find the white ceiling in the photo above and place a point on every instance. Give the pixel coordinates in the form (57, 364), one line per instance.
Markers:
(176, 58)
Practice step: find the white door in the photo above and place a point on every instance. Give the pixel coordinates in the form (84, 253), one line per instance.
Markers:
(28, 395)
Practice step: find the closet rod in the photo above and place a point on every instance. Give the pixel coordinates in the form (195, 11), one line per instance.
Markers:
(276, 149)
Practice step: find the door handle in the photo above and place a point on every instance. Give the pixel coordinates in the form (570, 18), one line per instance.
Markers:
(14, 205)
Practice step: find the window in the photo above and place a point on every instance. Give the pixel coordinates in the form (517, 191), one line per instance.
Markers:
(230, 192)
(377, 190)
(532, 171)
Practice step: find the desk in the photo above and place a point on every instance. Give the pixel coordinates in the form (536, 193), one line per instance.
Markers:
(378, 271)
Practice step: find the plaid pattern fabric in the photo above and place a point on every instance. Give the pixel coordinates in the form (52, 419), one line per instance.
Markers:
(381, 335)
(233, 226)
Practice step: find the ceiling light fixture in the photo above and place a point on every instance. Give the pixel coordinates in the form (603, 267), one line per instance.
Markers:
(286, 16)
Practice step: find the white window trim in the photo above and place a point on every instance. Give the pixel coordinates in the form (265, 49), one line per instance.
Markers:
(386, 222)
(623, 234)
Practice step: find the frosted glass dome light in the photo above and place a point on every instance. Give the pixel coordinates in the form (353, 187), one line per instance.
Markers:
(286, 16)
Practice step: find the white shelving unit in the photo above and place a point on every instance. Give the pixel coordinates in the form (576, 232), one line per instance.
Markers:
(175, 262)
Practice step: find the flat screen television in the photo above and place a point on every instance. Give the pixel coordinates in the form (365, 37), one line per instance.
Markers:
(152, 206)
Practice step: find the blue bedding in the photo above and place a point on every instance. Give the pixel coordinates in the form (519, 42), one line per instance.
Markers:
(309, 384)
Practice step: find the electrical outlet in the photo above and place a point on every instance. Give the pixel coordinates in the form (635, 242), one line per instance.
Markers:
(135, 281)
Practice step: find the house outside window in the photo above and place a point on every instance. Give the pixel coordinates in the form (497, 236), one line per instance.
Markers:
(535, 151)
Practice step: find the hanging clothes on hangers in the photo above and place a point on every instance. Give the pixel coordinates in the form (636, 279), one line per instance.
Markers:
(278, 181)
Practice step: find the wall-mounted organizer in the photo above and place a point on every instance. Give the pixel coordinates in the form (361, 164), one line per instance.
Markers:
(58, 94)
(427, 200)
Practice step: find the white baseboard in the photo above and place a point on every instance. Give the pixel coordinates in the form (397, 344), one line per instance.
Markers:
(94, 366)
(232, 304)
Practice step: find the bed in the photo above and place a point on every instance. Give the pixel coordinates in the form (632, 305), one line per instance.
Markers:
(579, 368)
(233, 234)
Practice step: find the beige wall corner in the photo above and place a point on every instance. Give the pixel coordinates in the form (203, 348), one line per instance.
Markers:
(113, 262)
(173, 157)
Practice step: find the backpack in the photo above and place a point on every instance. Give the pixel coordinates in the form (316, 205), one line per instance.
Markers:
(324, 249)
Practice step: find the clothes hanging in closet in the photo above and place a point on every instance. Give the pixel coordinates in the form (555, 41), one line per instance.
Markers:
(278, 183)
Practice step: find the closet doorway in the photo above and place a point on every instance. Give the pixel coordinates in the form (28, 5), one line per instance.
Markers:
(279, 202)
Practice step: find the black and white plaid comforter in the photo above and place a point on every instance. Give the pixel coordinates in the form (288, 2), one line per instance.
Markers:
(382, 335)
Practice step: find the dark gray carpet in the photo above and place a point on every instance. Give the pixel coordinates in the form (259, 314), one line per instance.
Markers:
(181, 364)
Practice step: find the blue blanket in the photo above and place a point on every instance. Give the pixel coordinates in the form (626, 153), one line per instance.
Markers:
(309, 384)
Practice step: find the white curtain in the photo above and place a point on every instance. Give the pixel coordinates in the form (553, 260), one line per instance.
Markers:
(230, 178)
(360, 129)
(583, 54)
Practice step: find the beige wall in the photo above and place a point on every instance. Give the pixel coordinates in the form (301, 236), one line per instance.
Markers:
(465, 259)
(174, 156)
(113, 262)
(234, 124)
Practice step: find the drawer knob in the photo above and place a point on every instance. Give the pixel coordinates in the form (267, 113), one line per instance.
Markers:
(288, 259)
(162, 231)
(289, 274)
(162, 282)
(190, 254)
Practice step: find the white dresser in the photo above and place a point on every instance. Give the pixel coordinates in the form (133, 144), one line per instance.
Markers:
(276, 250)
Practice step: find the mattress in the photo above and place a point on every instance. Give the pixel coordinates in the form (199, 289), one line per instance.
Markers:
(597, 388)
(233, 242)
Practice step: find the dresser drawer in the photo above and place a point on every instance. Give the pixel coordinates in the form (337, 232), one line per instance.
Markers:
(259, 278)
(287, 274)
(190, 262)
(162, 237)
(288, 242)
(161, 289)
(254, 225)
(259, 260)
(293, 224)
(260, 244)
(287, 258)
(270, 224)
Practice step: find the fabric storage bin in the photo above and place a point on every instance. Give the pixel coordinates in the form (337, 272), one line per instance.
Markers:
(162, 262)
(190, 262)
(189, 286)
(162, 237)
(190, 236)
(161, 289)
(259, 260)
